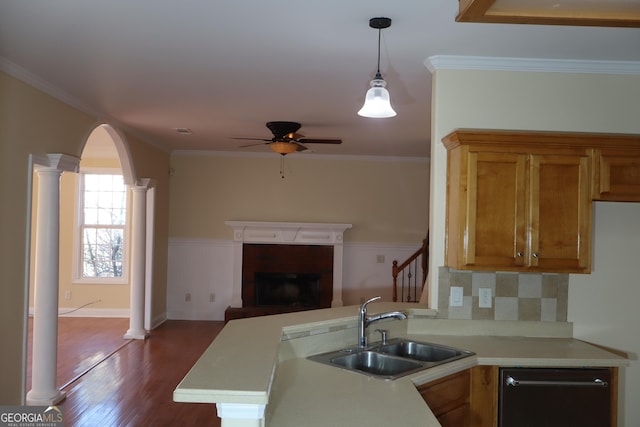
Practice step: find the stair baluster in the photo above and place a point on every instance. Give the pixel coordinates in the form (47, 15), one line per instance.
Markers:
(408, 272)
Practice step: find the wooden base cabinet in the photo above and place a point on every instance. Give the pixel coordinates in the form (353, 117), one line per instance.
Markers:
(448, 399)
(516, 203)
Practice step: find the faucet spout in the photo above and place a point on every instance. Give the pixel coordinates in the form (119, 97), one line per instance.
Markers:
(364, 321)
(390, 315)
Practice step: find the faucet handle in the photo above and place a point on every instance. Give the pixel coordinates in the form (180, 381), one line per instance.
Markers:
(383, 333)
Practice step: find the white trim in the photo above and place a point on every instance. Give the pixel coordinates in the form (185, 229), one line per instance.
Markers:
(27, 277)
(39, 83)
(56, 161)
(451, 62)
(311, 233)
(42, 85)
(237, 411)
(149, 251)
(90, 312)
(77, 278)
(269, 154)
(158, 320)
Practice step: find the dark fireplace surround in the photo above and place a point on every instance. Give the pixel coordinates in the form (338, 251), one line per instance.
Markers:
(281, 267)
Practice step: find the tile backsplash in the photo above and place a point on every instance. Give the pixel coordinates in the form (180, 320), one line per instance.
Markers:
(514, 296)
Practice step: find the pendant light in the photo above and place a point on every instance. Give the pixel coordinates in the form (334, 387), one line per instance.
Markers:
(377, 103)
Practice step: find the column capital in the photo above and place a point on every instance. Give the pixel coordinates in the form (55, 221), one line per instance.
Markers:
(144, 183)
(56, 161)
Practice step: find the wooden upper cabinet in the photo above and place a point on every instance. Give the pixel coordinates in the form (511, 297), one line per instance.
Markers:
(617, 174)
(515, 203)
(493, 227)
(560, 213)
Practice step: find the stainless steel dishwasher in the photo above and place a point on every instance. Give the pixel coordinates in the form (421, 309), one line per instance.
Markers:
(543, 397)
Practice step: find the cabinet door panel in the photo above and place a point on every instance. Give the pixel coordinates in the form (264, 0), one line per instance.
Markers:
(495, 232)
(617, 175)
(560, 213)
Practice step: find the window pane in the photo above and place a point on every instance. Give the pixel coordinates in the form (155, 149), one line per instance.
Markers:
(104, 202)
(90, 216)
(104, 199)
(102, 252)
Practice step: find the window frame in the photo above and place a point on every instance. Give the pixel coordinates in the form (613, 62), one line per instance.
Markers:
(79, 227)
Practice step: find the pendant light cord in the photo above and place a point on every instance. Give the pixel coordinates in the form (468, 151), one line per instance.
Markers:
(379, 37)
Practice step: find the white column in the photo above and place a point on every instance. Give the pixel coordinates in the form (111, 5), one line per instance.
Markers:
(47, 257)
(338, 260)
(241, 414)
(236, 295)
(138, 257)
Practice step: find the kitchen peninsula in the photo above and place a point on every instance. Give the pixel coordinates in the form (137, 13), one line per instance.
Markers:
(257, 372)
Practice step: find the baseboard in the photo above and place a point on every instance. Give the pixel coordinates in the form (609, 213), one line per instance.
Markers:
(90, 312)
(158, 320)
(203, 315)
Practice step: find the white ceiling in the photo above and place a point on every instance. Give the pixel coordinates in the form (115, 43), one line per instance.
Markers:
(224, 68)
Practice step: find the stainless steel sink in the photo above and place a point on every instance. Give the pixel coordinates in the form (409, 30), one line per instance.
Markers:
(425, 352)
(377, 364)
(394, 359)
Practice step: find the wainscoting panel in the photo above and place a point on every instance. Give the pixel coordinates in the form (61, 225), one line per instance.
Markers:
(200, 275)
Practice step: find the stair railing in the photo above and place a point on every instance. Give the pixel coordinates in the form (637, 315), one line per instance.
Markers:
(408, 272)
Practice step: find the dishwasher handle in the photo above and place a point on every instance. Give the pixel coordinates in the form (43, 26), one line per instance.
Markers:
(597, 382)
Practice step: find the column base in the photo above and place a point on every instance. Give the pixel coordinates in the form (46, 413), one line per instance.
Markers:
(136, 335)
(34, 400)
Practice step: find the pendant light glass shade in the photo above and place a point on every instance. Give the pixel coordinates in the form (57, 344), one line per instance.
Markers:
(377, 103)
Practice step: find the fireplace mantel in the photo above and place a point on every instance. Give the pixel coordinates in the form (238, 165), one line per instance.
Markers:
(287, 233)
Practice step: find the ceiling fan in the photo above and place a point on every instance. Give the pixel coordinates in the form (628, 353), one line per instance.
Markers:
(286, 140)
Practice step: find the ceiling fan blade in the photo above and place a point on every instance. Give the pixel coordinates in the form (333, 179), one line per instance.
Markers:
(319, 141)
(301, 147)
(256, 144)
(255, 139)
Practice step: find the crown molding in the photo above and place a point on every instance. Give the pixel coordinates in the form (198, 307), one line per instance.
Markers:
(314, 156)
(37, 82)
(450, 62)
(42, 85)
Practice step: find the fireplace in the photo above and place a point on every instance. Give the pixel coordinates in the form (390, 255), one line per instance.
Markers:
(287, 290)
(284, 267)
(292, 277)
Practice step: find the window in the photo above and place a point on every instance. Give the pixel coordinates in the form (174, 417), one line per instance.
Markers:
(102, 218)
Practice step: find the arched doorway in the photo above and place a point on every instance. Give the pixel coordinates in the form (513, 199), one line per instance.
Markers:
(106, 144)
(104, 149)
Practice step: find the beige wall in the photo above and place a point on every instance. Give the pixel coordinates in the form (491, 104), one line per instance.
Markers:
(32, 122)
(386, 201)
(602, 305)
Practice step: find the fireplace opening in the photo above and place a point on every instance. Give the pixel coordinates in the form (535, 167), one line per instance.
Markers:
(293, 277)
(287, 289)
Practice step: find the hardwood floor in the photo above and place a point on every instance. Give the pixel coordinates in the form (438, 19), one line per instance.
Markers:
(134, 385)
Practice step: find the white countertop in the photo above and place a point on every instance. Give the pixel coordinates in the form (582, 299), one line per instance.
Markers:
(263, 361)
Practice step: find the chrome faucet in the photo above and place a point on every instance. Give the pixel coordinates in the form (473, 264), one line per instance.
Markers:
(364, 321)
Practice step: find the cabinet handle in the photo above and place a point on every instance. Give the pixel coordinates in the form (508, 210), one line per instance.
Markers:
(536, 255)
(597, 382)
(520, 253)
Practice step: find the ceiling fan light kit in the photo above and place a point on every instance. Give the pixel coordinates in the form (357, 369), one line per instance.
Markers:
(284, 148)
(287, 140)
(377, 103)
